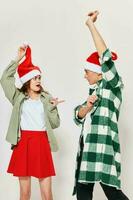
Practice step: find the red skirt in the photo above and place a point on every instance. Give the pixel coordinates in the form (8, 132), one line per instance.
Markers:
(32, 156)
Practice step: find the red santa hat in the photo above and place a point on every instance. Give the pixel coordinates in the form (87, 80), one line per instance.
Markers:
(93, 62)
(26, 70)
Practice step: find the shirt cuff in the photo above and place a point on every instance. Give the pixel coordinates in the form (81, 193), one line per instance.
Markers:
(105, 56)
(77, 117)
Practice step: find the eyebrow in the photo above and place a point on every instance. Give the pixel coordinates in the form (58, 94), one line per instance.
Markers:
(38, 76)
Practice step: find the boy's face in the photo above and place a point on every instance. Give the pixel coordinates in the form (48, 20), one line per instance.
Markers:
(92, 77)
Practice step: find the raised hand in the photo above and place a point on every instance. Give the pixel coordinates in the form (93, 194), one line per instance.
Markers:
(92, 16)
(21, 52)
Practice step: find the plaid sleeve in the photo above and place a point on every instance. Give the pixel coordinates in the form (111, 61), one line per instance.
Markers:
(109, 71)
(78, 121)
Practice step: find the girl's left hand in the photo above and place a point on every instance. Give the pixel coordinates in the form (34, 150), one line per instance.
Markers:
(55, 101)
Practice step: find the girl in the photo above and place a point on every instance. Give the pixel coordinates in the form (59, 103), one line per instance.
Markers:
(99, 157)
(30, 133)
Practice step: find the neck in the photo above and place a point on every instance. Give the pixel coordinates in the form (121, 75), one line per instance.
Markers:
(99, 78)
(33, 95)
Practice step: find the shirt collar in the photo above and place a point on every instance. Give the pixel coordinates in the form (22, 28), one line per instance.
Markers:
(93, 87)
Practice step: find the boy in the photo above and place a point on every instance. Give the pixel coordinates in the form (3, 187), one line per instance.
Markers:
(98, 159)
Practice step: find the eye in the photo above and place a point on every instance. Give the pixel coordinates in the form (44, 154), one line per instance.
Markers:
(39, 77)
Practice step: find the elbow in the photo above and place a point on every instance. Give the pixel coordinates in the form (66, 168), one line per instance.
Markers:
(55, 123)
(1, 80)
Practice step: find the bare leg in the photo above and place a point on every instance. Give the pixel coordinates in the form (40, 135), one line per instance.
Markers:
(25, 188)
(46, 188)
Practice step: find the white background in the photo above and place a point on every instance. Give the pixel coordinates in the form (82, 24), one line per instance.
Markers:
(60, 43)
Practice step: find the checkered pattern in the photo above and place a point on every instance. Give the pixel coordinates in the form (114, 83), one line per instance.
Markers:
(98, 159)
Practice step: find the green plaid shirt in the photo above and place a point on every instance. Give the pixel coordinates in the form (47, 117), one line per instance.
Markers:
(98, 158)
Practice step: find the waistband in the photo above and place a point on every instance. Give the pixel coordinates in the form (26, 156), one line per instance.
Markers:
(32, 132)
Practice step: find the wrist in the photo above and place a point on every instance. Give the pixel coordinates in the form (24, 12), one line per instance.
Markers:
(89, 107)
(18, 58)
(89, 22)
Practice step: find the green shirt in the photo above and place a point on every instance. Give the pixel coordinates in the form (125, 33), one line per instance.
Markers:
(100, 156)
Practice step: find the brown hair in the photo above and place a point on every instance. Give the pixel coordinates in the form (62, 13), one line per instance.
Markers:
(26, 86)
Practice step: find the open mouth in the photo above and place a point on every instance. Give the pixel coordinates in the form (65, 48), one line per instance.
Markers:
(38, 85)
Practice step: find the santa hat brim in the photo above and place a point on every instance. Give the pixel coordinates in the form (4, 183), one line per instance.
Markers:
(19, 82)
(93, 67)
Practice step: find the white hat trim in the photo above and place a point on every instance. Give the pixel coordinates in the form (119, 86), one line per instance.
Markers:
(93, 67)
(20, 81)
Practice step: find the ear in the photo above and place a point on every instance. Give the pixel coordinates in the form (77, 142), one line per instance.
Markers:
(99, 77)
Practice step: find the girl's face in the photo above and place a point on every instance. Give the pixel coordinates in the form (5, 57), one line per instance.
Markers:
(35, 83)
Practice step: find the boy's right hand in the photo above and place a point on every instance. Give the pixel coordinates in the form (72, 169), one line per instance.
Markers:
(85, 109)
(91, 100)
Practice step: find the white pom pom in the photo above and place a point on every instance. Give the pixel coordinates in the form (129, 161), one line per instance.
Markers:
(25, 44)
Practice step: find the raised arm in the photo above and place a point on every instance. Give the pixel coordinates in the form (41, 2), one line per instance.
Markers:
(109, 72)
(97, 38)
(8, 81)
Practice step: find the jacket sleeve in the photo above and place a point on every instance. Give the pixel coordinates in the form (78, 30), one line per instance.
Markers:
(78, 121)
(8, 82)
(53, 115)
(109, 72)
